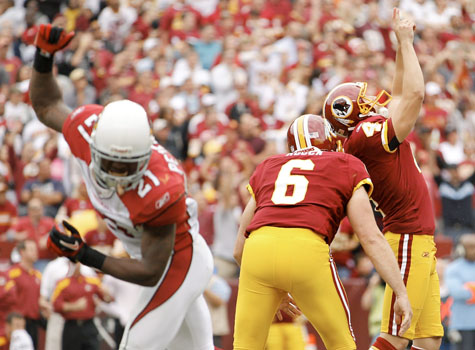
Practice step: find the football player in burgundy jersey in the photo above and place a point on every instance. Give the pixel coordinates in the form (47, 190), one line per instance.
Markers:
(298, 200)
(400, 191)
(139, 189)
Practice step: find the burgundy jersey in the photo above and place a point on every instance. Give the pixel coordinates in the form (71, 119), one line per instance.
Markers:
(400, 192)
(71, 289)
(308, 188)
(27, 284)
(158, 199)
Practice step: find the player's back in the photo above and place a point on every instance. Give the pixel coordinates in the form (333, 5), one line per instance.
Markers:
(400, 190)
(307, 188)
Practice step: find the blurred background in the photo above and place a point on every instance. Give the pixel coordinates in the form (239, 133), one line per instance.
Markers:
(221, 81)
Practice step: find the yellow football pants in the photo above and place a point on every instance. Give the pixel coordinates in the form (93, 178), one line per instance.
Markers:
(277, 261)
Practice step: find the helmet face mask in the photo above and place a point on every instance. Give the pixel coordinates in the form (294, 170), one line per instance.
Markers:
(111, 171)
(310, 130)
(347, 104)
(120, 146)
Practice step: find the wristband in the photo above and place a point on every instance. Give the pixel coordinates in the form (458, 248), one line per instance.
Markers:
(92, 258)
(42, 63)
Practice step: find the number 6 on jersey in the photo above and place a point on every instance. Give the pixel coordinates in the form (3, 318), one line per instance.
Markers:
(286, 179)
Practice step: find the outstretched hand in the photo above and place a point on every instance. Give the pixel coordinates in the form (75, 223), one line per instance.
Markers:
(403, 27)
(51, 39)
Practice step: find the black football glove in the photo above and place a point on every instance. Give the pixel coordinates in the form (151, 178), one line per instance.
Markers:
(72, 247)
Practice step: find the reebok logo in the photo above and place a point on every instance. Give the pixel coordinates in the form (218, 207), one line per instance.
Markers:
(74, 246)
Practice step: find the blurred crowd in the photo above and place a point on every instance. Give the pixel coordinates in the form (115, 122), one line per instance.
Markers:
(221, 81)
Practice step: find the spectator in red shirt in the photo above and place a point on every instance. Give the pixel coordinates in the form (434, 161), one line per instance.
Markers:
(21, 165)
(173, 18)
(7, 299)
(35, 226)
(204, 126)
(188, 27)
(277, 10)
(433, 116)
(73, 298)
(9, 64)
(8, 212)
(27, 284)
(143, 91)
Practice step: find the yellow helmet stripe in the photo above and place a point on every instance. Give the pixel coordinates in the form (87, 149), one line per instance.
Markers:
(301, 133)
(296, 134)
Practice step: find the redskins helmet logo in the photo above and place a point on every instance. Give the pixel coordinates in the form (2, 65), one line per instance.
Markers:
(342, 107)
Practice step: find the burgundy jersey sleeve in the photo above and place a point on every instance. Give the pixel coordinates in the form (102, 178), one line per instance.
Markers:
(77, 130)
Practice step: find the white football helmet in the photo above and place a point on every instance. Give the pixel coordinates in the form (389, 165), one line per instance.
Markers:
(121, 145)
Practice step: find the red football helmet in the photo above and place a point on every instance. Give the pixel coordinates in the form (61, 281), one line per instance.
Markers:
(310, 130)
(347, 104)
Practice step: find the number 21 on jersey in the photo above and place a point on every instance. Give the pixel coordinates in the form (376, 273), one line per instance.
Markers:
(286, 179)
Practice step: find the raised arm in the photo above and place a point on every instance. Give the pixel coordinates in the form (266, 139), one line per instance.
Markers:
(408, 83)
(396, 91)
(45, 94)
(378, 250)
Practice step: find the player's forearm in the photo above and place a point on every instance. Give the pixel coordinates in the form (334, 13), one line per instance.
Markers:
(46, 100)
(372, 240)
(385, 263)
(134, 271)
(405, 110)
(157, 245)
(398, 74)
(413, 80)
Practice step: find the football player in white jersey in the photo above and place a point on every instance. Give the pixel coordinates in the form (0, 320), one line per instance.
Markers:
(140, 190)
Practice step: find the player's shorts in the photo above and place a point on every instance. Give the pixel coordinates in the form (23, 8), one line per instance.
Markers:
(277, 261)
(416, 258)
